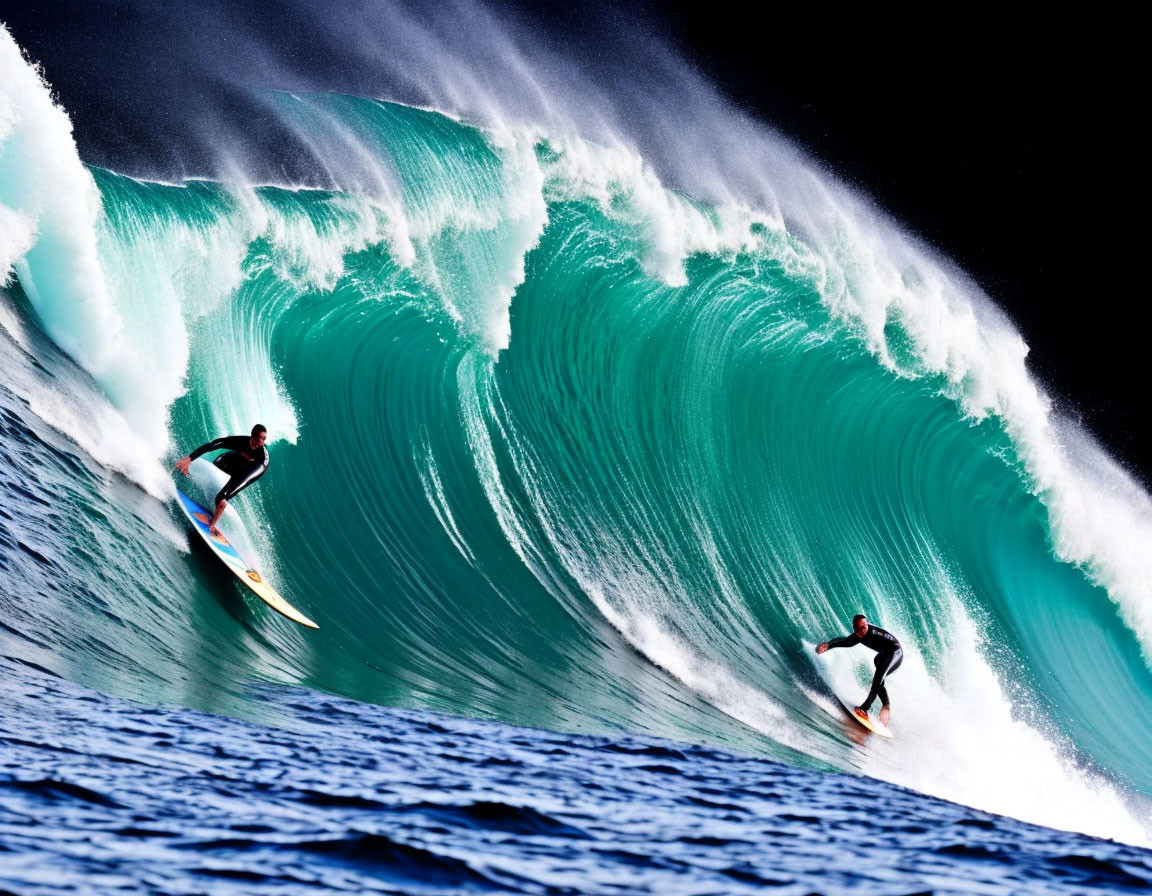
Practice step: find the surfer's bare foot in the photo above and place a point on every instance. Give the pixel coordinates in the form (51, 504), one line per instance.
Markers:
(885, 714)
(214, 531)
(861, 711)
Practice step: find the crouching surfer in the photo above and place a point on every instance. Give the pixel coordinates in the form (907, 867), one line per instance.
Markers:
(889, 655)
(245, 459)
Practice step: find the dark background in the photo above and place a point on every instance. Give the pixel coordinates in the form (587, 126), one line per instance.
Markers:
(1018, 164)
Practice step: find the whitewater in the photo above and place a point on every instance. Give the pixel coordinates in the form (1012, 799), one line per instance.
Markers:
(564, 434)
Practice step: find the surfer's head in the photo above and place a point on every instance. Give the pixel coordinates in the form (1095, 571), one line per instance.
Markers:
(259, 435)
(860, 625)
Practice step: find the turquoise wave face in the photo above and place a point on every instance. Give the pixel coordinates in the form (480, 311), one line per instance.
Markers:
(536, 459)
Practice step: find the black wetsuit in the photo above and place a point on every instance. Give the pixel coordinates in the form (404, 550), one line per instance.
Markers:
(889, 655)
(241, 461)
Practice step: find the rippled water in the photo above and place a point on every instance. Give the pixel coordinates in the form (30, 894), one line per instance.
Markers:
(99, 795)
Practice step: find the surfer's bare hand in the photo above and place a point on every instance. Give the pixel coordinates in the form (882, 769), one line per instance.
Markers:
(183, 464)
(820, 648)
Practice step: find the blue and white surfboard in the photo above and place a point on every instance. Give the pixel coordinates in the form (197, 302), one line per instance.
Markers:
(243, 570)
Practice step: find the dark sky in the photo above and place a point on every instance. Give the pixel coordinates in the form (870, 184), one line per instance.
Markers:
(1028, 182)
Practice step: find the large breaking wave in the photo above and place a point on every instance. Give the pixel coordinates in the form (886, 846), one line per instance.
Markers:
(557, 443)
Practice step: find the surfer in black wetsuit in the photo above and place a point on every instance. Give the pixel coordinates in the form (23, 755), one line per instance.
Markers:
(889, 655)
(245, 459)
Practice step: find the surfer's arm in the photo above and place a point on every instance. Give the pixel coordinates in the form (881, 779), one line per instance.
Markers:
(215, 445)
(848, 641)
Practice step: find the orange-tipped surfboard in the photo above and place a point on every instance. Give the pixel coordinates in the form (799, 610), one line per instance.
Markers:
(243, 570)
(870, 722)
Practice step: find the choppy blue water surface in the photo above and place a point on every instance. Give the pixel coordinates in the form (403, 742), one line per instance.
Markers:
(101, 795)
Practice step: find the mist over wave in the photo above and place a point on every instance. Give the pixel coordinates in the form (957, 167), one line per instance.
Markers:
(576, 423)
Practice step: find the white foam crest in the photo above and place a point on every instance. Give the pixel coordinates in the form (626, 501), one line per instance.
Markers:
(464, 225)
(1102, 521)
(526, 215)
(474, 251)
(311, 253)
(875, 276)
(309, 235)
(662, 124)
(175, 275)
(43, 181)
(358, 161)
(668, 225)
(163, 275)
(958, 737)
(202, 263)
(49, 210)
(68, 400)
(17, 235)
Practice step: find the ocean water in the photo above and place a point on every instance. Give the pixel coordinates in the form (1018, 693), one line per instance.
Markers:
(101, 795)
(555, 444)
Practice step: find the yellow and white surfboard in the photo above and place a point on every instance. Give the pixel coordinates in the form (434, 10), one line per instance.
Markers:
(243, 570)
